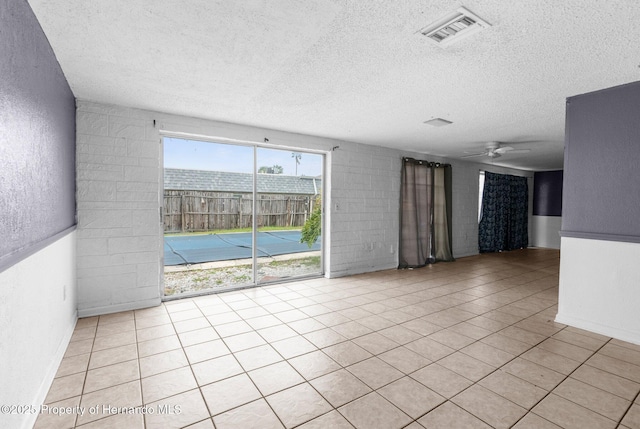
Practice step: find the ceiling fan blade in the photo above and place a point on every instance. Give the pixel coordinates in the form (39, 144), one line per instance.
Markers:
(520, 151)
(503, 149)
(473, 155)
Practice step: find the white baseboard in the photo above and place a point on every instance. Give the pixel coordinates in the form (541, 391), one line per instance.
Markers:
(45, 385)
(609, 331)
(98, 311)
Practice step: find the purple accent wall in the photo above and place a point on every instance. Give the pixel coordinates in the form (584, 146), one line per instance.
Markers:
(37, 137)
(601, 197)
(547, 193)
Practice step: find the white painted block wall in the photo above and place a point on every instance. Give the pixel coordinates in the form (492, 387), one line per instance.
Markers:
(365, 189)
(119, 167)
(117, 163)
(465, 208)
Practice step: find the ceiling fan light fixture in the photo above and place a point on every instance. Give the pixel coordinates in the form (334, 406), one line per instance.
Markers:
(495, 149)
(438, 122)
(454, 27)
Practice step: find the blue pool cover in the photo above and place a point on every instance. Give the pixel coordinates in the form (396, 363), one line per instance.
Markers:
(196, 249)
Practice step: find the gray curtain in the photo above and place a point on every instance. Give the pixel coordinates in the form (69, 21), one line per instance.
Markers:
(425, 213)
(442, 214)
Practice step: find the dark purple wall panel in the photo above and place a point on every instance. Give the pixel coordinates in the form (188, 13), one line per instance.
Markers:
(547, 193)
(37, 136)
(601, 174)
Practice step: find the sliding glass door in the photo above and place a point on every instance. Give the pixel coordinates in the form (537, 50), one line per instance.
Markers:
(235, 215)
(288, 193)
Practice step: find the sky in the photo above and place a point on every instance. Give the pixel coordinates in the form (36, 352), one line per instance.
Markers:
(197, 155)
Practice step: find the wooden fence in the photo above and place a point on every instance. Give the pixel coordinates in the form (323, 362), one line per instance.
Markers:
(192, 211)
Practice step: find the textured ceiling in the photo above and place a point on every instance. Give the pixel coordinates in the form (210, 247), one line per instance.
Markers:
(353, 70)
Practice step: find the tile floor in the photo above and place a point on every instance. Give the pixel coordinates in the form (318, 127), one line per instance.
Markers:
(466, 344)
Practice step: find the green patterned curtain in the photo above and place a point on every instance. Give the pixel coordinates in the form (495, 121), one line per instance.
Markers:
(505, 211)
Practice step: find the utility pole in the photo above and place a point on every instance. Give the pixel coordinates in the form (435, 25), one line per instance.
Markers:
(297, 157)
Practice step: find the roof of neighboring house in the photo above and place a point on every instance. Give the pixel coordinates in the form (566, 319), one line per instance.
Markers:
(223, 181)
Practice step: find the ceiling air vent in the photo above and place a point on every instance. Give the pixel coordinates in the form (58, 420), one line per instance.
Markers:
(454, 27)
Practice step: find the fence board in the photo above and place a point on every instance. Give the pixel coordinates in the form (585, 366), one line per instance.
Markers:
(194, 211)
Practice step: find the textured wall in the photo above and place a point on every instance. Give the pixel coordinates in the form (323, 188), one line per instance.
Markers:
(119, 183)
(599, 272)
(601, 175)
(547, 193)
(37, 318)
(118, 159)
(465, 209)
(37, 144)
(37, 209)
(119, 179)
(365, 189)
(547, 209)
(119, 173)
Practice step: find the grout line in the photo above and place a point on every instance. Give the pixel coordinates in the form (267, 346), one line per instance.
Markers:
(633, 401)
(357, 287)
(563, 380)
(135, 321)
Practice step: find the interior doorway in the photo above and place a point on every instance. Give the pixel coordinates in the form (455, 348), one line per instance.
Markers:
(237, 216)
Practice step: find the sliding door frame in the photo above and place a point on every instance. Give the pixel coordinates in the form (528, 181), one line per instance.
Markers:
(254, 228)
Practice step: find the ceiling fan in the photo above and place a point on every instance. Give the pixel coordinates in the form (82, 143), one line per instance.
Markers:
(495, 150)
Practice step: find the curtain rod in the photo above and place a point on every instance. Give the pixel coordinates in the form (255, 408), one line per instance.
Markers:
(239, 142)
(428, 163)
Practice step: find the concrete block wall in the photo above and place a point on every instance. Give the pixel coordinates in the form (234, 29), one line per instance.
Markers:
(365, 196)
(118, 245)
(465, 208)
(119, 164)
(120, 169)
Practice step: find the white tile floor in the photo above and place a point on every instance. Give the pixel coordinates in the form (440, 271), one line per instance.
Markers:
(464, 344)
